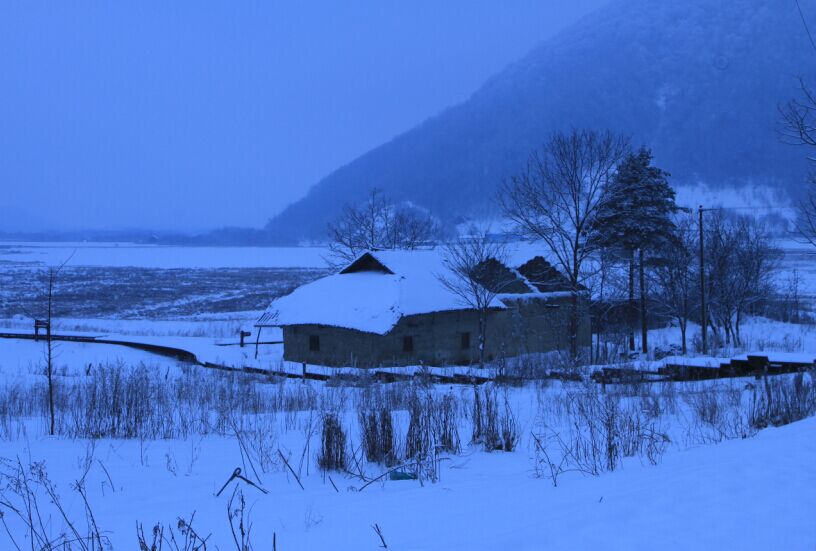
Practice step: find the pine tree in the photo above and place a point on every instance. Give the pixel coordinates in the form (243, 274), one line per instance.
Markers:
(637, 219)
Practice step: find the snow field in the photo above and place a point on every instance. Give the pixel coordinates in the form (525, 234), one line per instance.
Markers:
(753, 493)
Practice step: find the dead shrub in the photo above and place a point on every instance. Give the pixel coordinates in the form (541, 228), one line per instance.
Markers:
(446, 423)
(333, 454)
(783, 400)
(432, 429)
(419, 440)
(600, 431)
(717, 413)
(120, 401)
(420, 443)
(377, 433)
(707, 405)
(651, 406)
(36, 512)
(509, 429)
(493, 430)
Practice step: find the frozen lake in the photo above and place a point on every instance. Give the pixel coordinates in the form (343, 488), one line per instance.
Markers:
(119, 255)
(127, 280)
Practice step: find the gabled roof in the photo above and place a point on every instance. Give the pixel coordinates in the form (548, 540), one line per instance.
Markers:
(373, 292)
(366, 262)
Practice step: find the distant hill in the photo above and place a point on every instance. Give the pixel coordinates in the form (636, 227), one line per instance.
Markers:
(699, 81)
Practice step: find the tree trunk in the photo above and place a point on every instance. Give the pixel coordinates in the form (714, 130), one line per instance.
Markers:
(737, 321)
(482, 329)
(631, 309)
(597, 347)
(682, 323)
(574, 327)
(574, 308)
(50, 359)
(644, 328)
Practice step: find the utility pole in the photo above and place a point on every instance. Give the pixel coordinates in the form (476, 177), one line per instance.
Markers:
(703, 316)
(644, 326)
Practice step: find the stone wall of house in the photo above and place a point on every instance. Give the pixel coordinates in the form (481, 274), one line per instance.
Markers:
(336, 346)
(526, 326)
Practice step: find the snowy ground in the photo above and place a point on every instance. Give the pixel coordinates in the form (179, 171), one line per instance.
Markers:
(26, 357)
(758, 335)
(709, 489)
(22, 359)
(754, 493)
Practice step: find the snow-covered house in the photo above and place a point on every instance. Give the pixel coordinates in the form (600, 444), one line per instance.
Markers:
(390, 308)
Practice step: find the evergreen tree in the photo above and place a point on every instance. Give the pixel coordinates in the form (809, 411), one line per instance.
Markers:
(637, 219)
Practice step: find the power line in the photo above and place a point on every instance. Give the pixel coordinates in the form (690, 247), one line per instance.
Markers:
(804, 22)
(767, 207)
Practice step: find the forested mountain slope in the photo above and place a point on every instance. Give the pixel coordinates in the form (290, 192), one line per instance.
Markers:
(700, 81)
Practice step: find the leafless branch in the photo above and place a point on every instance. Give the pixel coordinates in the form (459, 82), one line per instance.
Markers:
(379, 224)
(558, 196)
(476, 272)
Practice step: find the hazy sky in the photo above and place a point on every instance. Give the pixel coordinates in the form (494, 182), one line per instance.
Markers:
(192, 115)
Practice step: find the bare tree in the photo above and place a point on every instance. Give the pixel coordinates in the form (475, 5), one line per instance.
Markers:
(757, 260)
(799, 128)
(50, 283)
(558, 197)
(740, 260)
(791, 305)
(379, 224)
(676, 276)
(606, 286)
(806, 215)
(799, 118)
(476, 272)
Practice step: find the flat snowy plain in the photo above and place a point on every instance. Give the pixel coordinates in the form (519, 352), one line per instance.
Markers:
(709, 488)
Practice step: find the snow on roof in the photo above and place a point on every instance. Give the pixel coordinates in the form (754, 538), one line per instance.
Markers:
(792, 357)
(371, 294)
(367, 301)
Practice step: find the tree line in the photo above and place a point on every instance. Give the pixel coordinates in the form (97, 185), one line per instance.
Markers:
(607, 219)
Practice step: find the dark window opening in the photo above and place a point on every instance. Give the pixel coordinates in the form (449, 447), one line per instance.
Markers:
(407, 344)
(314, 343)
(465, 341)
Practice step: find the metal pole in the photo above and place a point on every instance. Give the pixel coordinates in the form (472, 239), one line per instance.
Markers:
(258, 341)
(703, 316)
